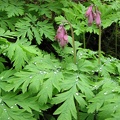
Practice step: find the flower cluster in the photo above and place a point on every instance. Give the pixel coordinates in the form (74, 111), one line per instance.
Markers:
(61, 36)
(93, 16)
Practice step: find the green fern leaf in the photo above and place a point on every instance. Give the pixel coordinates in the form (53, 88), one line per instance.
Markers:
(15, 8)
(20, 58)
(19, 54)
(6, 34)
(46, 29)
(28, 27)
(39, 68)
(67, 110)
(7, 23)
(10, 110)
(37, 35)
(80, 100)
(11, 99)
(3, 23)
(33, 7)
(3, 4)
(24, 29)
(14, 114)
(52, 82)
(46, 8)
(46, 92)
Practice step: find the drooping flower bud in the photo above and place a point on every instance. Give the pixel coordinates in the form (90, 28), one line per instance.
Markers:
(89, 10)
(61, 36)
(89, 15)
(93, 15)
(97, 18)
(90, 19)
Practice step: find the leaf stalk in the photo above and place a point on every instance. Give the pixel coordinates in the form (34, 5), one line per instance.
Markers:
(73, 42)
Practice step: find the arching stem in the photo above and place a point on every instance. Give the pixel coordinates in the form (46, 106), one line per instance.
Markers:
(73, 42)
(99, 47)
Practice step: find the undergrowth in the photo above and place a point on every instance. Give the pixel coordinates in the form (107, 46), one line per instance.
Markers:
(40, 84)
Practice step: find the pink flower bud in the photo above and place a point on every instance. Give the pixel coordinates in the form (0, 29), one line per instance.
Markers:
(89, 15)
(89, 11)
(97, 18)
(61, 36)
(90, 19)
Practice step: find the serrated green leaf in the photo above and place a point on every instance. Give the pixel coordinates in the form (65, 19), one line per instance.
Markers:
(29, 34)
(23, 29)
(84, 85)
(15, 8)
(6, 74)
(71, 66)
(25, 85)
(60, 98)
(60, 19)
(11, 99)
(19, 58)
(46, 29)
(37, 34)
(106, 111)
(20, 54)
(80, 100)
(30, 49)
(86, 66)
(6, 34)
(55, 77)
(46, 92)
(48, 86)
(67, 110)
(11, 50)
(10, 110)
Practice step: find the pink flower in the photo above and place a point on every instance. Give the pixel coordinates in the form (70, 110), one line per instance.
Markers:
(93, 16)
(89, 11)
(61, 36)
(97, 18)
(89, 15)
(90, 19)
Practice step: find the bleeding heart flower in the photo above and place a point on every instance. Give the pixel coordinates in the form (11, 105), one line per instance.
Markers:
(90, 19)
(89, 11)
(93, 16)
(89, 15)
(97, 18)
(61, 36)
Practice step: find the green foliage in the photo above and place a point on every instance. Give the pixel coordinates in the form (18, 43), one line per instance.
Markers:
(30, 27)
(37, 84)
(19, 54)
(12, 8)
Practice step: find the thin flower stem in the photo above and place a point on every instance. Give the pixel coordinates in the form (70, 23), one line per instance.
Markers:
(116, 28)
(99, 47)
(84, 42)
(73, 42)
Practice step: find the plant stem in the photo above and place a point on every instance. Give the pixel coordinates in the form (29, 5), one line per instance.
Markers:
(116, 40)
(73, 42)
(99, 47)
(74, 53)
(84, 43)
